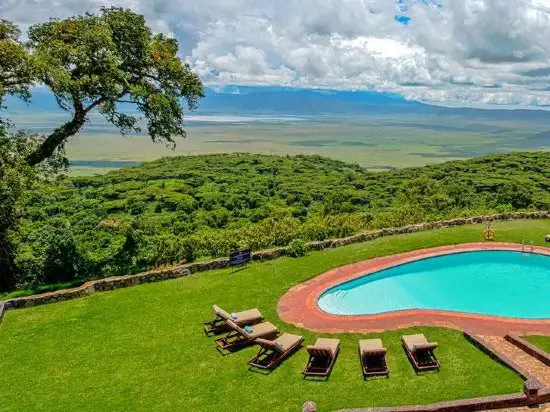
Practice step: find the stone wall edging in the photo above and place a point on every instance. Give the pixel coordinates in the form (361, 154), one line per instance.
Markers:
(420, 227)
(2, 309)
(514, 400)
(117, 282)
(529, 348)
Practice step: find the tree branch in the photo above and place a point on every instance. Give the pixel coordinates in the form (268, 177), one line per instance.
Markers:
(141, 74)
(95, 104)
(59, 135)
(103, 100)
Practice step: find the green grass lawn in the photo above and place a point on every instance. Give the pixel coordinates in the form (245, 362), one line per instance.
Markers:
(143, 348)
(542, 342)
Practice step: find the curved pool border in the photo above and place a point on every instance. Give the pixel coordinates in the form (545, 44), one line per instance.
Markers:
(299, 305)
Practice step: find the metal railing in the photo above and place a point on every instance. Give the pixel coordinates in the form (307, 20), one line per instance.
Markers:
(530, 246)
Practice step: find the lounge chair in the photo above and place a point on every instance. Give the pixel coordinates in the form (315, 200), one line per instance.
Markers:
(420, 352)
(273, 352)
(373, 358)
(239, 337)
(219, 324)
(322, 356)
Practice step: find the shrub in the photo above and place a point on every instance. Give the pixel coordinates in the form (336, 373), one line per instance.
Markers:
(51, 257)
(161, 250)
(188, 251)
(297, 248)
(518, 195)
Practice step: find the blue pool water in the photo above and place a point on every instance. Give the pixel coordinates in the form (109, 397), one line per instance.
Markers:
(500, 283)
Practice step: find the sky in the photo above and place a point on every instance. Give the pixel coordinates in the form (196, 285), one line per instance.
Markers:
(459, 52)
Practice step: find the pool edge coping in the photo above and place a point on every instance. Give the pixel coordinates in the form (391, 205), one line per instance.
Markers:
(298, 306)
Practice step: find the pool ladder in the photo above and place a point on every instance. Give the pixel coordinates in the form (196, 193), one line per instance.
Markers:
(524, 247)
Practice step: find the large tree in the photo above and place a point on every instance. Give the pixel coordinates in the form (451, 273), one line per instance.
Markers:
(111, 63)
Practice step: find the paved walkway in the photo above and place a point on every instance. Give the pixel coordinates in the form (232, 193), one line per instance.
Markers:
(526, 362)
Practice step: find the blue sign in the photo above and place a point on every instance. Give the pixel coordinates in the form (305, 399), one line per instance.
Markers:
(240, 258)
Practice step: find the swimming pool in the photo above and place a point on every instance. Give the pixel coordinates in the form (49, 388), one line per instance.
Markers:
(497, 283)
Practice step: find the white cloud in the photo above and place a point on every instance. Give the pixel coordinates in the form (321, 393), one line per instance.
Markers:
(467, 51)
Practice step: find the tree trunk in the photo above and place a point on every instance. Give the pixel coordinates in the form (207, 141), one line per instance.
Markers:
(7, 266)
(59, 135)
(56, 139)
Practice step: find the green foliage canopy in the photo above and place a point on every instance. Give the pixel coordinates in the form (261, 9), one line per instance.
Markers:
(177, 209)
(16, 69)
(106, 61)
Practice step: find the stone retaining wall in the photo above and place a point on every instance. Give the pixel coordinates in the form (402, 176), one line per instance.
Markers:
(374, 234)
(117, 282)
(514, 400)
(2, 308)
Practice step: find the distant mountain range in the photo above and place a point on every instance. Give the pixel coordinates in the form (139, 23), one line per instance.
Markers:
(297, 102)
(308, 102)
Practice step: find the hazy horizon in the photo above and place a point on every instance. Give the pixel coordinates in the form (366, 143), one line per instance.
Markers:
(375, 130)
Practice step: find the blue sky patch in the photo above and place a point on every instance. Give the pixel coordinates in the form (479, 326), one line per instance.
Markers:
(402, 19)
(403, 8)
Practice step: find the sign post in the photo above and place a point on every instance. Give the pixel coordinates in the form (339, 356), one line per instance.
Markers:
(240, 258)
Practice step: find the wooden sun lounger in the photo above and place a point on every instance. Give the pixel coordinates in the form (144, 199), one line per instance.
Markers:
(219, 323)
(373, 358)
(239, 337)
(322, 356)
(273, 352)
(420, 352)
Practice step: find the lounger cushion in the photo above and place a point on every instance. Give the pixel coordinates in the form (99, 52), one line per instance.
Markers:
(248, 315)
(367, 346)
(261, 329)
(326, 344)
(287, 341)
(425, 346)
(242, 317)
(411, 340)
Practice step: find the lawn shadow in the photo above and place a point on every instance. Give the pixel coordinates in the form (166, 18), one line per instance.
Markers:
(229, 351)
(366, 379)
(237, 270)
(260, 371)
(315, 378)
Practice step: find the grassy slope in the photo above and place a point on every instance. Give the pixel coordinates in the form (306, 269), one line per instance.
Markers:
(542, 342)
(143, 347)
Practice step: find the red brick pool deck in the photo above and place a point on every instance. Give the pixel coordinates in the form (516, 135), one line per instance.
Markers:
(299, 305)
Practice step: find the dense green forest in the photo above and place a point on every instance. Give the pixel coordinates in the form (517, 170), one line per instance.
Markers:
(185, 208)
